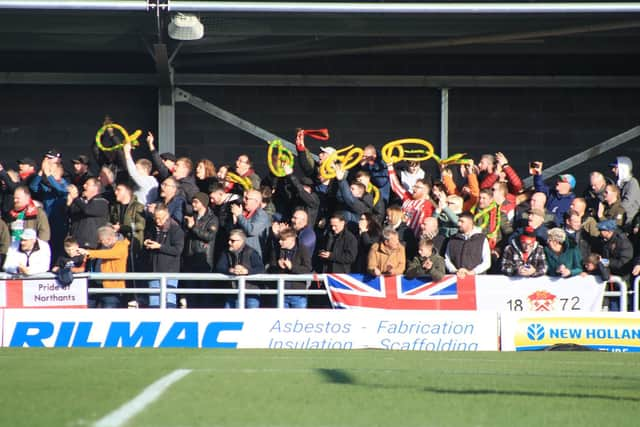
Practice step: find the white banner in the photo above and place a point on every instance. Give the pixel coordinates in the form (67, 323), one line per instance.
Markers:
(277, 329)
(616, 332)
(43, 293)
(502, 293)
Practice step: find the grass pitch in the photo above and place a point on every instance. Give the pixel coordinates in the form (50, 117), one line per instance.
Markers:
(77, 387)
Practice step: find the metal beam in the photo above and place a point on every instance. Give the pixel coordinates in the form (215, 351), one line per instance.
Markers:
(232, 119)
(587, 154)
(400, 8)
(118, 5)
(444, 123)
(165, 73)
(166, 123)
(298, 80)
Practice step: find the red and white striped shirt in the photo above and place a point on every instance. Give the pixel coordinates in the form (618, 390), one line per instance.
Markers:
(416, 211)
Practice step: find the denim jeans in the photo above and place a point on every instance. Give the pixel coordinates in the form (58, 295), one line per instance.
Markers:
(154, 300)
(104, 301)
(295, 301)
(249, 302)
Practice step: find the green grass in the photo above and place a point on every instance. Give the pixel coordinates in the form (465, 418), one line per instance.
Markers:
(76, 387)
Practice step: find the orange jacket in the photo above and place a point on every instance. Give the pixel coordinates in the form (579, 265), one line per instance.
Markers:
(114, 260)
(474, 190)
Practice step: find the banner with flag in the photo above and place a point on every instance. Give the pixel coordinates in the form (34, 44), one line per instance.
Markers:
(398, 292)
(482, 292)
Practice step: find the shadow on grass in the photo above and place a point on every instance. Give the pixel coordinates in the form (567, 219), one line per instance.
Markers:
(528, 393)
(340, 376)
(336, 376)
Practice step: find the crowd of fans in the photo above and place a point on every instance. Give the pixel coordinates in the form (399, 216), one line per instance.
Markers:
(169, 214)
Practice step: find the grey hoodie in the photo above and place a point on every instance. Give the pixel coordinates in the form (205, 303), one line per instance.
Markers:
(629, 188)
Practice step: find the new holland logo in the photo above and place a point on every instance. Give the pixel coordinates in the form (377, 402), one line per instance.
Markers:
(535, 332)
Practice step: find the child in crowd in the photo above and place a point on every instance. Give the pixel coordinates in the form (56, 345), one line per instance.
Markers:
(426, 263)
(595, 265)
(73, 260)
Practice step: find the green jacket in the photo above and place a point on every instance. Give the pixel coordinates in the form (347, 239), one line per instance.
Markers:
(415, 268)
(569, 257)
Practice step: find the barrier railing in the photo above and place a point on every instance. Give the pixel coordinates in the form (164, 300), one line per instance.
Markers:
(241, 290)
(636, 297)
(621, 293)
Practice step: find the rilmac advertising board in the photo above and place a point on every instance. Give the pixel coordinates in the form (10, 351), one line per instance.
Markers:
(278, 329)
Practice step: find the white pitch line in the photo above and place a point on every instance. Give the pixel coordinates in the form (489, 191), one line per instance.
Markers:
(130, 409)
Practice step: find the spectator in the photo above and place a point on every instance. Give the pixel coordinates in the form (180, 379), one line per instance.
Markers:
(26, 173)
(5, 240)
(427, 263)
(629, 188)
(205, 175)
(300, 194)
(594, 195)
(468, 252)
(524, 257)
(559, 199)
(30, 256)
(87, 214)
(128, 218)
(538, 201)
(26, 215)
(80, 172)
(252, 219)
(470, 192)
(352, 199)
(616, 248)
(502, 171)
(291, 258)
(505, 200)
(430, 229)
(112, 256)
(375, 167)
(107, 179)
(449, 207)
(172, 199)
(364, 178)
(184, 178)
(535, 221)
(410, 175)
(576, 234)
(395, 219)
(416, 206)
(488, 217)
(241, 259)
(200, 243)
(387, 257)
(369, 232)
(339, 248)
(487, 169)
(164, 242)
(611, 207)
(221, 202)
(563, 258)
(164, 163)
(304, 229)
(140, 173)
(595, 266)
(244, 169)
(72, 258)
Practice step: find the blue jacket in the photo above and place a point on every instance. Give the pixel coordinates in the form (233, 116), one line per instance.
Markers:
(556, 203)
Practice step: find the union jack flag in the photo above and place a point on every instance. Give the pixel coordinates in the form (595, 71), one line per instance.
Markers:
(400, 293)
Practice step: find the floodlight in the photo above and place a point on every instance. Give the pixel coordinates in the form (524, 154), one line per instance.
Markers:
(185, 27)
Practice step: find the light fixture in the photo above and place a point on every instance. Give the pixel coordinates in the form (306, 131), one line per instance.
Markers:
(185, 27)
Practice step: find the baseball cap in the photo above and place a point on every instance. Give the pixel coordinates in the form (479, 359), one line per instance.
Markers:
(328, 150)
(528, 235)
(168, 156)
(27, 161)
(568, 178)
(29, 234)
(81, 159)
(53, 154)
(607, 225)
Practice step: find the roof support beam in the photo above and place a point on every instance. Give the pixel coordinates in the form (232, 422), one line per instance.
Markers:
(400, 8)
(587, 154)
(114, 5)
(299, 80)
(232, 119)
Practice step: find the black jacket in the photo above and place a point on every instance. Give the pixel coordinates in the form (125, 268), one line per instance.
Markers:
(86, 217)
(344, 249)
(247, 257)
(167, 257)
(619, 251)
(300, 264)
(200, 244)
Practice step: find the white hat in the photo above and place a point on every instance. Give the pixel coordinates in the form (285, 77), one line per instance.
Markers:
(29, 234)
(328, 150)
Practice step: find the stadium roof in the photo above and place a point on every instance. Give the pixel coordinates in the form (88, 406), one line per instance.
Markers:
(525, 38)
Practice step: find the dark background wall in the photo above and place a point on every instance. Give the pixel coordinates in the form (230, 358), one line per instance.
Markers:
(527, 124)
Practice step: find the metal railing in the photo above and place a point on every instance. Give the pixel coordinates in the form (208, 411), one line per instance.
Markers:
(240, 289)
